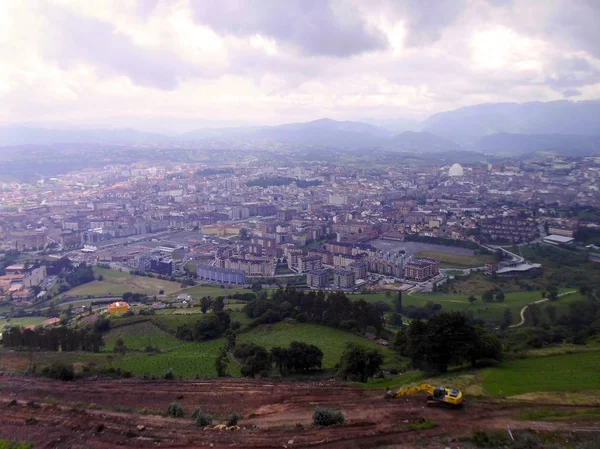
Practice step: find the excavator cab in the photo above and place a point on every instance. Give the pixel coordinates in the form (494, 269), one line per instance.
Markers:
(439, 393)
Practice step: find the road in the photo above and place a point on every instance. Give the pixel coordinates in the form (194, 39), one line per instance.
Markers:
(537, 302)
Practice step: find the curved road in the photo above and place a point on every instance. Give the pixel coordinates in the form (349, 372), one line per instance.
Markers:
(537, 302)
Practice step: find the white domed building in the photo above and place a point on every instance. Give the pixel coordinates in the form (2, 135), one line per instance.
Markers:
(456, 170)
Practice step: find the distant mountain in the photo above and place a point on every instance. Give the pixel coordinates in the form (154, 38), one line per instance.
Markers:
(501, 128)
(396, 125)
(327, 132)
(423, 142)
(567, 144)
(14, 136)
(467, 125)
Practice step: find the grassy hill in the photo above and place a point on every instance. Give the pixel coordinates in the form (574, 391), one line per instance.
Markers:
(189, 359)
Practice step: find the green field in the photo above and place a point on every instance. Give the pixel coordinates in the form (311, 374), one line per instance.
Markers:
(331, 341)
(107, 273)
(449, 260)
(22, 322)
(492, 311)
(191, 359)
(117, 284)
(569, 372)
(199, 291)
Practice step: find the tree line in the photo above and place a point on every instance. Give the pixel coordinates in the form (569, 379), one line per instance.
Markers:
(54, 338)
(333, 310)
(282, 181)
(357, 362)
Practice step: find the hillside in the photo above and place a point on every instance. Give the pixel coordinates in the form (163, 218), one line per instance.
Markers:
(467, 125)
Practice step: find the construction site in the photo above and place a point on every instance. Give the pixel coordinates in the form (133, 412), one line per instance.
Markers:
(131, 413)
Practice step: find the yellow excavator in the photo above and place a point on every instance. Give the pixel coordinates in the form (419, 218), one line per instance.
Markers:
(436, 395)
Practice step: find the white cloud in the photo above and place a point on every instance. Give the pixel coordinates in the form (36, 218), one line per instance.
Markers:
(117, 62)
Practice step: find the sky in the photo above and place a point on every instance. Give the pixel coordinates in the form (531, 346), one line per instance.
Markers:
(177, 65)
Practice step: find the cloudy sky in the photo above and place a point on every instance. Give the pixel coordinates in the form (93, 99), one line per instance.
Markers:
(183, 64)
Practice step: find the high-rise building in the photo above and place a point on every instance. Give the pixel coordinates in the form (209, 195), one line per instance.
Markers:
(317, 278)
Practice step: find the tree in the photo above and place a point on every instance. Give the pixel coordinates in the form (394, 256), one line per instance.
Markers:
(120, 346)
(360, 362)
(255, 359)
(552, 293)
(551, 311)
(484, 346)
(244, 234)
(448, 340)
(205, 303)
(218, 305)
(488, 296)
(399, 302)
(500, 296)
(231, 339)
(506, 319)
(221, 363)
(100, 277)
(472, 299)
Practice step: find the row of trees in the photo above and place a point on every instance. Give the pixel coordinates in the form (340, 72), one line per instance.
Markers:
(209, 327)
(334, 310)
(357, 362)
(282, 181)
(54, 338)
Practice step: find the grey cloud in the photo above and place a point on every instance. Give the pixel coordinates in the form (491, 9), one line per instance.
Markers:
(578, 23)
(571, 93)
(316, 27)
(427, 19)
(72, 38)
(572, 72)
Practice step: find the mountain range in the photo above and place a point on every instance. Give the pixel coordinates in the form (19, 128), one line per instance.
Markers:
(564, 127)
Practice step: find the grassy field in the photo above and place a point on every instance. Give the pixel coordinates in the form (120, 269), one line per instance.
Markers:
(107, 273)
(331, 341)
(199, 291)
(117, 283)
(191, 359)
(569, 372)
(492, 311)
(449, 260)
(22, 322)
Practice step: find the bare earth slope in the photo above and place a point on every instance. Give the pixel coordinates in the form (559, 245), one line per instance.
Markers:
(53, 414)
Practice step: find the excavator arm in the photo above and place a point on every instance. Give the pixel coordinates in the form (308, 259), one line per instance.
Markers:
(406, 390)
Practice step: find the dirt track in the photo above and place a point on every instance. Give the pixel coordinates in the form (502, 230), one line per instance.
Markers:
(58, 415)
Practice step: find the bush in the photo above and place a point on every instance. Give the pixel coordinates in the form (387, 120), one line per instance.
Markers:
(328, 417)
(203, 419)
(59, 371)
(175, 410)
(233, 419)
(11, 444)
(169, 374)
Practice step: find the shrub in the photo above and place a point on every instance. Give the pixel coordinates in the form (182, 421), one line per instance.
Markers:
(328, 417)
(489, 439)
(175, 410)
(203, 419)
(233, 419)
(59, 371)
(11, 444)
(169, 374)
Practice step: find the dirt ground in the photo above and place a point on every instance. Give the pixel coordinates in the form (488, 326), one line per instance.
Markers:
(124, 414)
